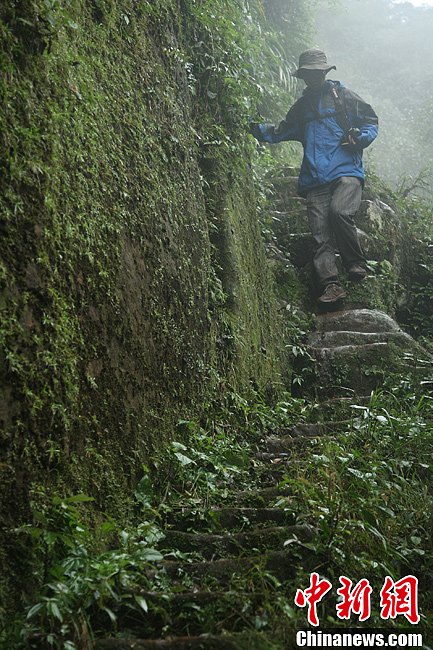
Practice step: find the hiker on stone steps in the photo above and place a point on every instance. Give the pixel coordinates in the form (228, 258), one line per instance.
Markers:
(334, 125)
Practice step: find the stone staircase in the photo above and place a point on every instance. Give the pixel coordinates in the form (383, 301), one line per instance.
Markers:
(226, 564)
(241, 563)
(355, 349)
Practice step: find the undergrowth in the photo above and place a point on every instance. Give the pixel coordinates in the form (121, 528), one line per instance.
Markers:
(366, 494)
(369, 494)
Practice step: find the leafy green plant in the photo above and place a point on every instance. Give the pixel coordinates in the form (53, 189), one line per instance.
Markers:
(79, 582)
(367, 492)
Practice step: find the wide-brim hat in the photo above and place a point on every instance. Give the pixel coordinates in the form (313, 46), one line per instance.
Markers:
(313, 59)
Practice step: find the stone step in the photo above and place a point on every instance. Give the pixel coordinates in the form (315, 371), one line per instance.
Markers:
(371, 219)
(178, 599)
(358, 353)
(278, 449)
(313, 429)
(218, 518)
(378, 219)
(356, 320)
(212, 546)
(280, 563)
(342, 338)
(292, 220)
(346, 366)
(273, 252)
(272, 473)
(190, 612)
(293, 239)
(369, 216)
(299, 247)
(294, 203)
(362, 366)
(284, 171)
(263, 496)
(284, 184)
(375, 249)
(202, 642)
(289, 202)
(299, 438)
(340, 408)
(298, 244)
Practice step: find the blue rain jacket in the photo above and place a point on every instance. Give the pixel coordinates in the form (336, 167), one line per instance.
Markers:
(312, 121)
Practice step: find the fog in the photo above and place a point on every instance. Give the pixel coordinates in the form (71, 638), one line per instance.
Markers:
(383, 50)
(416, 3)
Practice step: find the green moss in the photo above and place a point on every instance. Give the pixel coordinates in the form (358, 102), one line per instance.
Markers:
(133, 281)
(378, 291)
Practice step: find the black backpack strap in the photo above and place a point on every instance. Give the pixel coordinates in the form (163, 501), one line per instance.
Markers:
(320, 118)
(340, 111)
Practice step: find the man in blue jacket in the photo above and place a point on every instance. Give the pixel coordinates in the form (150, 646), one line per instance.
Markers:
(334, 125)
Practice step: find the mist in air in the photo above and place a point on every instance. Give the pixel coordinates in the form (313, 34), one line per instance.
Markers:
(383, 50)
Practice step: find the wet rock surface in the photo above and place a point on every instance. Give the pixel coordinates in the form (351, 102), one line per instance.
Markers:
(356, 320)
(355, 349)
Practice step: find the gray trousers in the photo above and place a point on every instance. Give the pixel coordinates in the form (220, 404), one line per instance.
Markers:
(330, 210)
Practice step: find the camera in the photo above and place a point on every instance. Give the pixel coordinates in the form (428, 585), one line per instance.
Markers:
(351, 133)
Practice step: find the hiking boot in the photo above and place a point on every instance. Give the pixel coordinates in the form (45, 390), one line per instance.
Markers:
(332, 293)
(357, 273)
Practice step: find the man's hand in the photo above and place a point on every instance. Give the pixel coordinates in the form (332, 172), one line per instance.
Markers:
(254, 129)
(351, 138)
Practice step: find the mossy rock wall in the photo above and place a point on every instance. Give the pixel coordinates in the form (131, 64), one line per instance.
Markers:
(133, 278)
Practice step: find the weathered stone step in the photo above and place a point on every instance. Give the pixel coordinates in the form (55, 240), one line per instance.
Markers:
(286, 223)
(299, 247)
(314, 429)
(212, 546)
(263, 496)
(280, 449)
(284, 184)
(178, 599)
(383, 228)
(359, 368)
(340, 408)
(292, 220)
(268, 474)
(343, 338)
(218, 518)
(294, 204)
(293, 239)
(279, 563)
(273, 252)
(358, 353)
(370, 219)
(362, 367)
(202, 642)
(290, 445)
(356, 320)
(190, 612)
(299, 435)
